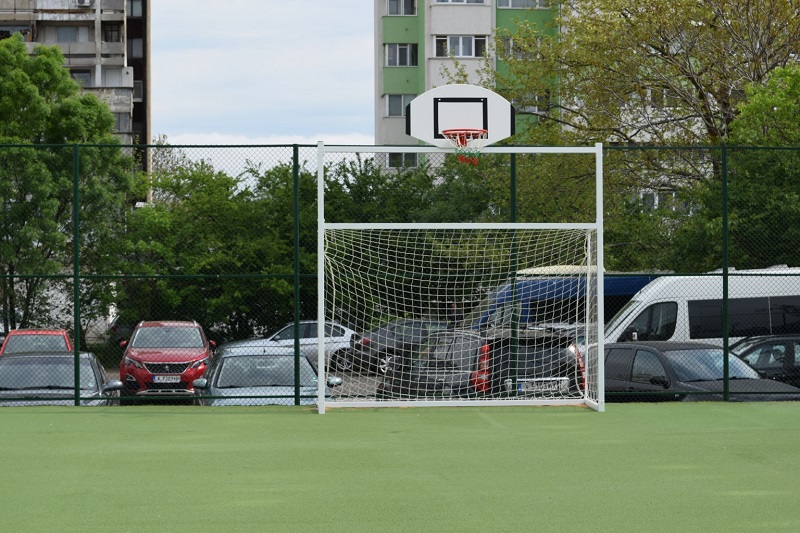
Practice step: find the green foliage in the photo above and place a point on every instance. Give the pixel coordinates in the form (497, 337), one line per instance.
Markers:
(40, 107)
(771, 114)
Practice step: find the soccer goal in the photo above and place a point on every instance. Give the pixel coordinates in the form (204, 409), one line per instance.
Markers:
(461, 313)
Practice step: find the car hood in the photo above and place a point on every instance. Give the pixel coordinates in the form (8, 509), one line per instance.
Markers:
(744, 389)
(163, 355)
(31, 397)
(262, 396)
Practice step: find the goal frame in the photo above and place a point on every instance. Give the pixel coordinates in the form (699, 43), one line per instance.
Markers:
(597, 404)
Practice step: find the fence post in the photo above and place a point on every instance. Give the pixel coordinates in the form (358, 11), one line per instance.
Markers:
(296, 216)
(725, 321)
(76, 290)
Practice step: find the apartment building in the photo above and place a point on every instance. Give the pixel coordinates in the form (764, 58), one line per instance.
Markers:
(106, 48)
(416, 39)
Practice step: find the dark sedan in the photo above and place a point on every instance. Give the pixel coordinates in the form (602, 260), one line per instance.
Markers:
(775, 357)
(375, 349)
(49, 379)
(684, 371)
(464, 363)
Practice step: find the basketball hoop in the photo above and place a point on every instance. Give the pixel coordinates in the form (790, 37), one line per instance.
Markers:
(467, 143)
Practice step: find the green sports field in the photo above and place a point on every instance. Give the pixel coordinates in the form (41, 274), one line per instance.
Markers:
(637, 467)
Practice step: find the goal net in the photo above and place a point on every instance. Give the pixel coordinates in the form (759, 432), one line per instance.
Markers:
(461, 313)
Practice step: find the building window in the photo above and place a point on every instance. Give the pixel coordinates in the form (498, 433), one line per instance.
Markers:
(84, 77)
(134, 8)
(524, 4)
(123, 122)
(664, 97)
(138, 90)
(136, 47)
(460, 1)
(403, 160)
(460, 45)
(533, 104)
(112, 33)
(72, 34)
(401, 55)
(396, 104)
(112, 77)
(402, 7)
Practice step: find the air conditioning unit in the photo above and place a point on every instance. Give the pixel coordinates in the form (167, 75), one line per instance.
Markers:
(84, 3)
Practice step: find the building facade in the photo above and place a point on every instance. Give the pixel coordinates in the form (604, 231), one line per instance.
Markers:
(416, 41)
(106, 46)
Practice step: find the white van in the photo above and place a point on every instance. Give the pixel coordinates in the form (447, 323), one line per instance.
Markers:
(689, 308)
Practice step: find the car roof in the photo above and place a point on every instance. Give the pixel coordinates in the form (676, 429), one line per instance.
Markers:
(162, 323)
(664, 346)
(36, 332)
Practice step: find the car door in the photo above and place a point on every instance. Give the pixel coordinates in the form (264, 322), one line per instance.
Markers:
(776, 360)
(618, 372)
(649, 375)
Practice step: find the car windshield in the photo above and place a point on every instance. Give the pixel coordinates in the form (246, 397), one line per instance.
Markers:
(168, 337)
(706, 364)
(36, 343)
(447, 351)
(263, 371)
(43, 373)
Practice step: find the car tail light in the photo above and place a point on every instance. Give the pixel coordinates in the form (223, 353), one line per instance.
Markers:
(581, 367)
(363, 341)
(480, 377)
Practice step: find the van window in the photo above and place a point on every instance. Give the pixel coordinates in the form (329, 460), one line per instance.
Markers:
(748, 317)
(785, 314)
(657, 322)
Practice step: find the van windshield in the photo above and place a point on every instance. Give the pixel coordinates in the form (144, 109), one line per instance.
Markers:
(622, 315)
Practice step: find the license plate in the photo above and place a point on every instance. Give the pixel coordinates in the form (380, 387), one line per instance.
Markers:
(542, 385)
(166, 379)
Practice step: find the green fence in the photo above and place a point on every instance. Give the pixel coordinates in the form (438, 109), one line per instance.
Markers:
(224, 238)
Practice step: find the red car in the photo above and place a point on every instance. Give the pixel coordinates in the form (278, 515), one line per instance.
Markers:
(36, 340)
(162, 358)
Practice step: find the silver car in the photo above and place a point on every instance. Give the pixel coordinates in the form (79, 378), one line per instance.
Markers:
(338, 340)
(244, 376)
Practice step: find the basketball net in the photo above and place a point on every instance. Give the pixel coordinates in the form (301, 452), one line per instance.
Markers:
(467, 143)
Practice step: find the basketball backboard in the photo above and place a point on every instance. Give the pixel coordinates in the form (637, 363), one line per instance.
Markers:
(459, 106)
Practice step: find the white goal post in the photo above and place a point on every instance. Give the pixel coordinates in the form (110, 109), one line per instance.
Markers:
(461, 313)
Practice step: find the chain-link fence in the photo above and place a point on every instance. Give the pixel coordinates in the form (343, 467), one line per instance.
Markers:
(215, 248)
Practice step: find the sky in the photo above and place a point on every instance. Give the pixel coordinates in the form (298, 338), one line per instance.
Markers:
(262, 71)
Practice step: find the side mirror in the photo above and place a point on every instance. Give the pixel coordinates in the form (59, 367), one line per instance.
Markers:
(200, 383)
(660, 380)
(631, 334)
(112, 385)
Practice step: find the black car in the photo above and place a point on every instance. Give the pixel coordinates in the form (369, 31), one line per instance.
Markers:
(48, 378)
(775, 357)
(684, 371)
(496, 363)
(375, 349)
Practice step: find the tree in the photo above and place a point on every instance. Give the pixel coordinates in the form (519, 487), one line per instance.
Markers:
(630, 73)
(45, 120)
(661, 72)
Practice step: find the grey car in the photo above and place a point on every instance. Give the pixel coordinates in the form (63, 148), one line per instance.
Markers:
(48, 378)
(244, 376)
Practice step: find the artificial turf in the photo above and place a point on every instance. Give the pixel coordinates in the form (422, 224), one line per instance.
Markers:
(635, 467)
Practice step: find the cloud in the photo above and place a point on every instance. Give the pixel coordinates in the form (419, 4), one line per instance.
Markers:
(263, 69)
(217, 138)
